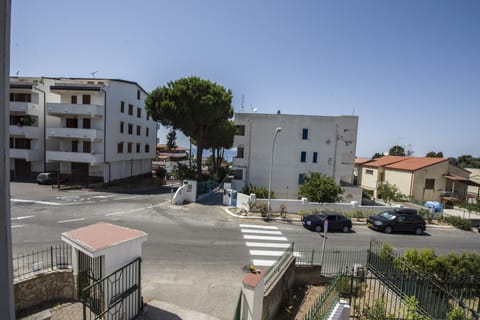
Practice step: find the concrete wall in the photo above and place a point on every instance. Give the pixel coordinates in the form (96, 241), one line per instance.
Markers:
(276, 297)
(435, 172)
(44, 289)
(332, 138)
(402, 179)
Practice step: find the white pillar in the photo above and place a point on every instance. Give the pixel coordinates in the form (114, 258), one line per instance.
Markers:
(253, 287)
(7, 307)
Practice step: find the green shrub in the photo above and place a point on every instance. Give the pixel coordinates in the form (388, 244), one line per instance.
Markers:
(458, 222)
(426, 214)
(260, 192)
(283, 210)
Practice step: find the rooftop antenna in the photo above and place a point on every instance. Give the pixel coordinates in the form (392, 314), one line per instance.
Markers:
(93, 73)
(16, 73)
(242, 104)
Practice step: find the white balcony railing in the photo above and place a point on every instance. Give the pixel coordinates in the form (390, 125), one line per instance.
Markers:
(75, 133)
(60, 109)
(74, 157)
(25, 107)
(26, 154)
(25, 132)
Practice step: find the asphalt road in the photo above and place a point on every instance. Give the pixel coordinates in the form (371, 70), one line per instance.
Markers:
(196, 255)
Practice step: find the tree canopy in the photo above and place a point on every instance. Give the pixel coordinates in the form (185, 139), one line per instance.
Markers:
(433, 154)
(317, 187)
(390, 192)
(171, 139)
(193, 105)
(397, 151)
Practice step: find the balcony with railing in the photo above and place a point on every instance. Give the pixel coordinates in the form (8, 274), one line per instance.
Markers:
(75, 133)
(62, 109)
(26, 154)
(84, 157)
(25, 131)
(25, 107)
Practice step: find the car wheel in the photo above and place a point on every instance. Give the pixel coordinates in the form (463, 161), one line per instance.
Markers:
(346, 229)
(388, 229)
(318, 228)
(418, 231)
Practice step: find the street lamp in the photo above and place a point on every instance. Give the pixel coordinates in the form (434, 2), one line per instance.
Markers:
(277, 131)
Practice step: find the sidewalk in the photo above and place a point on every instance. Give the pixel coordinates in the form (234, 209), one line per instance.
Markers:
(153, 310)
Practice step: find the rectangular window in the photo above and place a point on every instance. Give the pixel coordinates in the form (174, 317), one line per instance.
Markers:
(139, 130)
(304, 133)
(139, 113)
(315, 156)
(12, 143)
(21, 97)
(147, 148)
(120, 147)
(301, 178)
(130, 109)
(303, 156)
(369, 171)
(73, 99)
(138, 94)
(122, 106)
(121, 126)
(240, 130)
(146, 131)
(74, 146)
(72, 123)
(22, 143)
(129, 147)
(240, 152)
(86, 123)
(87, 147)
(86, 99)
(138, 147)
(430, 184)
(130, 128)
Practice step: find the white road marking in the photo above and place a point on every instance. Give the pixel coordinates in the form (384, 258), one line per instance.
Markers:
(266, 253)
(71, 220)
(252, 237)
(21, 218)
(261, 231)
(129, 197)
(102, 197)
(258, 226)
(45, 202)
(263, 263)
(18, 226)
(136, 210)
(268, 245)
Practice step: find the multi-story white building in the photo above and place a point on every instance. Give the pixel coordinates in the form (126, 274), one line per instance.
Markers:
(94, 130)
(325, 144)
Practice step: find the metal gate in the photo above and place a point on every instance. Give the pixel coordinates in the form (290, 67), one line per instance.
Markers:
(90, 270)
(116, 296)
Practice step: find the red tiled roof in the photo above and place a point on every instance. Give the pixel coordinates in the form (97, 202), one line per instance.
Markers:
(414, 163)
(102, 235)
(361, 160)
(384, 161)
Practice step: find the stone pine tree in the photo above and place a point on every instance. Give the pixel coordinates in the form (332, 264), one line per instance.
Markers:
(193, 105)
(172, 139)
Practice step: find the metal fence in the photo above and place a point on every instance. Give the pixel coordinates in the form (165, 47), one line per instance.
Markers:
(277, 268)
(116, 296)
(325, 302)
(332, 261)
(31, 263)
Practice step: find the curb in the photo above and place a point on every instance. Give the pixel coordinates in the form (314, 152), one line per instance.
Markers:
(227, 210)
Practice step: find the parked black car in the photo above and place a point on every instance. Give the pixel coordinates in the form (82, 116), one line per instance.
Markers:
(336, 222)
(398, 220)
(50, 177)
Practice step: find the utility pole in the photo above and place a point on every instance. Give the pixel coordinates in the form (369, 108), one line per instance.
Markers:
(7, 307)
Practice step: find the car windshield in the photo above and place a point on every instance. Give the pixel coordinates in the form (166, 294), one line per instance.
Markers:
(387, 215)
(322, 215)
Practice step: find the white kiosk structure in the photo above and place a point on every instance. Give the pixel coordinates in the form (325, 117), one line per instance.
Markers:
(106, 261)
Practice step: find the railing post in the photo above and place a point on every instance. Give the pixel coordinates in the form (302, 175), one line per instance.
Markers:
(313, 253)
(51, 257)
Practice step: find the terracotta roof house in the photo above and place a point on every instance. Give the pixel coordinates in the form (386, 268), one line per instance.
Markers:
(419, 178)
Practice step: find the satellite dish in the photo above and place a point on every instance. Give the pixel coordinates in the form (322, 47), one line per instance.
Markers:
(254, 109)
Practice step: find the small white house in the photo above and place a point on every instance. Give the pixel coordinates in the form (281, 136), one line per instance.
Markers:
(325, 144)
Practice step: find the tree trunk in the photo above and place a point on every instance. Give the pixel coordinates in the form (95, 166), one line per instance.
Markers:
(202, 133)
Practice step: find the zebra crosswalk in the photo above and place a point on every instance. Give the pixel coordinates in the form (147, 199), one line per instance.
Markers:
(265, 243)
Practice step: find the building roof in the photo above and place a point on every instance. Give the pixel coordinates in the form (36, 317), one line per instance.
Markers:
(102, 235)
(384, 161)
(467, 181)
(362, 160)
(415, 163)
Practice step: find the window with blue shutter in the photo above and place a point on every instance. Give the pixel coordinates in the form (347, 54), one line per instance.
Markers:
(303, 156)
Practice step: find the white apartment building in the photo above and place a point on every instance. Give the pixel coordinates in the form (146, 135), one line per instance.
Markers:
(93, 130)
(325, 144)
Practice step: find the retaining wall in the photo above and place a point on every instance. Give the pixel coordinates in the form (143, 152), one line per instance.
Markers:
(44, 289)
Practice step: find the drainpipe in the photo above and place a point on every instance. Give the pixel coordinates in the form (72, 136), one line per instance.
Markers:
(335, 151)
(105, 160)
(44, 128)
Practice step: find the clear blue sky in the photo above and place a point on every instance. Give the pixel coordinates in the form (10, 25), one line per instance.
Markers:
(409, 69)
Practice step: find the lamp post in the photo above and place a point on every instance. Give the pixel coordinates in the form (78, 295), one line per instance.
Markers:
(277, 131)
